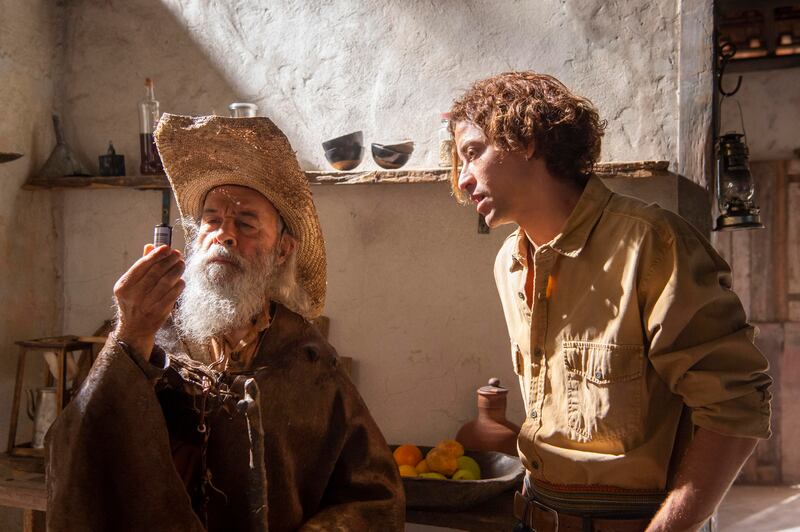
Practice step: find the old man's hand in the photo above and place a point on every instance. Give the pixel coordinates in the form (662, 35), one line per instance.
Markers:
(146, 295)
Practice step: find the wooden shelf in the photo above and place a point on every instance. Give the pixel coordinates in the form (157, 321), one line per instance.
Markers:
(763, 63)
(319, 177)
(143, 182)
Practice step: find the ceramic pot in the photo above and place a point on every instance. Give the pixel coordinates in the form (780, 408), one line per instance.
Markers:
(490, 431)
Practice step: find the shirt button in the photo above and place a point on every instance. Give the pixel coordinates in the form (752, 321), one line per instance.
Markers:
(540, 296)
(538, 351)
(521, 295)
(533, 414)
(598, 375)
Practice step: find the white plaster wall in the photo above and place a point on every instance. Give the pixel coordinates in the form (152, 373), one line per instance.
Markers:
(770, 103)
(321, 69)
(29, 263)
(411, 295)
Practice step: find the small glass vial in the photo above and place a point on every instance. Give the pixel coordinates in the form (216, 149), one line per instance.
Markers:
(445, 141)
(148, 120)
(243, 110)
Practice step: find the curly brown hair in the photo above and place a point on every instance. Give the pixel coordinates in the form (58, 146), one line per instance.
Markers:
(515, 108)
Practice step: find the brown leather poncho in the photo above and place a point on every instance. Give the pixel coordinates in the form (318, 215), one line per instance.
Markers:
(178, 448)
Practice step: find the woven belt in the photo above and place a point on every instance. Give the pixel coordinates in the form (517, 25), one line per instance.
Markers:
(541, 518)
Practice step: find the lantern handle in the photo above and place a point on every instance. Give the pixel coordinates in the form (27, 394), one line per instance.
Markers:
(726, 53)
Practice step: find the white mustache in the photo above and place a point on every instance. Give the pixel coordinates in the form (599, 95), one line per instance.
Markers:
(221, 252)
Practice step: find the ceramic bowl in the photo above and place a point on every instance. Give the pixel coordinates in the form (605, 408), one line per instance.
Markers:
(499, 472)
(345, 152)
(392, 156)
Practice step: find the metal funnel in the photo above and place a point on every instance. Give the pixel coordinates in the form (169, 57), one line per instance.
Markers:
(62, 162)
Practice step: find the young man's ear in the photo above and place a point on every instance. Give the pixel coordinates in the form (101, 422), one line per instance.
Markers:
(530, 151)
(286, 246)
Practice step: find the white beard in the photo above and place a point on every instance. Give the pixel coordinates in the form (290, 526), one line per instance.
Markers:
(219, 298)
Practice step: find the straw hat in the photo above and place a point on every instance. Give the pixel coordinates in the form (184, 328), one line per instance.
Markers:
(201, 153)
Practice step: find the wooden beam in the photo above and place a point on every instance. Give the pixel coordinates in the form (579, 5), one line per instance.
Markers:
(758, 64)
(793, 252)
(789, 384)
(762, 264)
(740, 267)
(33, 521)
(779, 235)
(18, 493)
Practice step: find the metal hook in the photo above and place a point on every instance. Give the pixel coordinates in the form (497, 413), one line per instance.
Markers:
(726, 53)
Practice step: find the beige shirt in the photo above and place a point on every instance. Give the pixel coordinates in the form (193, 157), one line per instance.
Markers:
(632, 317)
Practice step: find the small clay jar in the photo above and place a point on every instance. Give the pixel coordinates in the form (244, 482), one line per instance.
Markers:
(490, 431)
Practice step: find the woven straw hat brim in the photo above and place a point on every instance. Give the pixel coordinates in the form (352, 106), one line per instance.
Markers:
(201, 153)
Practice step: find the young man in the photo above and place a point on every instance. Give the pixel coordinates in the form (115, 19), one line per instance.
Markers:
(624, 330)
(229, 412)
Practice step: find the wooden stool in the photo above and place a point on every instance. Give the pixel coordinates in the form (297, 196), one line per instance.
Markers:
(61, 345)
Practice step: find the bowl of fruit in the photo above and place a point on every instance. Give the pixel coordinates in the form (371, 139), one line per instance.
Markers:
(448, 477)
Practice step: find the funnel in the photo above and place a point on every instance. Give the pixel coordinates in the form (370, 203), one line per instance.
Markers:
(62, 162)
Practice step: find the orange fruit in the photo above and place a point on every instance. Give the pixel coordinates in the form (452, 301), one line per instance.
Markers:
(440, 461)
(407, 471)
(407, 454)
(451, 447)
(422, 467)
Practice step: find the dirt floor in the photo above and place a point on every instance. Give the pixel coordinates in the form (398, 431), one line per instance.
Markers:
(760, 508)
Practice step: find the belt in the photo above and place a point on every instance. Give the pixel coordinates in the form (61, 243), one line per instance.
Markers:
(541, 518)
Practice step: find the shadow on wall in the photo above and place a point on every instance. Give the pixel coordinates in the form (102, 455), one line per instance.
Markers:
(112, 47)
(673, 192)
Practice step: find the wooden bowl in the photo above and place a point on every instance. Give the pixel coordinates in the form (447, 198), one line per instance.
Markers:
(392, 156)
(345, 158)
(345, 152)
(499, 472)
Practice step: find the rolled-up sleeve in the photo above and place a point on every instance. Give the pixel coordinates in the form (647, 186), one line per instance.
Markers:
(700, 343)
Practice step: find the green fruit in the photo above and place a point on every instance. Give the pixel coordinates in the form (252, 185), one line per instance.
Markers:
(432, 475)
(464, 474)
(465, 462)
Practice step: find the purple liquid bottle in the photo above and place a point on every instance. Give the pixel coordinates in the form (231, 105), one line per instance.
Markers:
(148, 120)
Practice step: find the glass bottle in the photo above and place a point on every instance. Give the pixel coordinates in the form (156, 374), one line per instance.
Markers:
(445, 141)
(148, 120)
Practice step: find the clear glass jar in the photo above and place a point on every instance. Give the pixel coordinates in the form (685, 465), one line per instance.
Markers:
(243, 110)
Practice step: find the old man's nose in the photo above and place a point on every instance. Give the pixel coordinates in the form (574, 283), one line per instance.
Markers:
(226, 240)
(226, 234)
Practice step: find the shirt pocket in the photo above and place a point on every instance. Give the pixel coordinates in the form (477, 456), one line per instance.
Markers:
(604, 392)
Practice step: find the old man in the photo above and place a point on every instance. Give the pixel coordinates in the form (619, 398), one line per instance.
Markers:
(216, 404)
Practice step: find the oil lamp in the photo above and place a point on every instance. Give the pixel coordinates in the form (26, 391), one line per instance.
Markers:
(735, 189)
